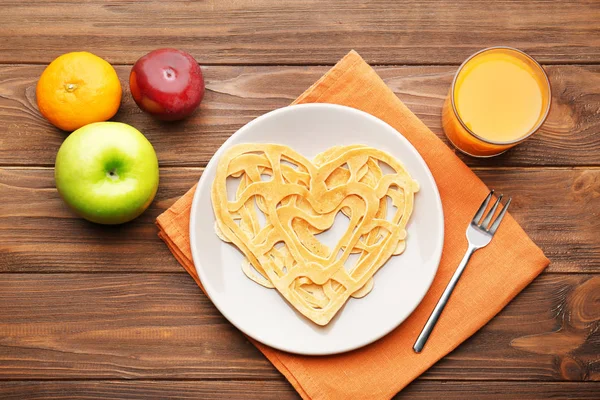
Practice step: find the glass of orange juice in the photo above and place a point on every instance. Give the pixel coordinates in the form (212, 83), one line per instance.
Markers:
(499, 97)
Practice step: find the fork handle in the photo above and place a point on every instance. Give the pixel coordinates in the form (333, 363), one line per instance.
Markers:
(439, 307)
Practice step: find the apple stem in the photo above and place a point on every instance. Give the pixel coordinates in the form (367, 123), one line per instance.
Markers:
(169, 74)
(112, 174)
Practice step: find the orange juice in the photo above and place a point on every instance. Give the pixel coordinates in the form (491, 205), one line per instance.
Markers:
(498, 98)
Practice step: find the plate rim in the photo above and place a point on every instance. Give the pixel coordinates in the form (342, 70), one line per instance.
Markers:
(194, 217)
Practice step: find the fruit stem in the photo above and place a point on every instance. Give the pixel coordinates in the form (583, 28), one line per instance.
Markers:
(112, 174)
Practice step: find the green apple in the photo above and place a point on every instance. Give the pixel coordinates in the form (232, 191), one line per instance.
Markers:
(107, 172)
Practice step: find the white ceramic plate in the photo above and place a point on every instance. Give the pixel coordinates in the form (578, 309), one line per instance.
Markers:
(399, 285)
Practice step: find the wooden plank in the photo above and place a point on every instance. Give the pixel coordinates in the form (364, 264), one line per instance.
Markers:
(300, 32)
(281, 390)
(39, 233)
(160, 326)
(237, 95)
(558, 208)
(428, 390)
(143, 390)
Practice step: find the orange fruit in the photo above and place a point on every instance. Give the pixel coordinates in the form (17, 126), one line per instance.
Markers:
(77, 89)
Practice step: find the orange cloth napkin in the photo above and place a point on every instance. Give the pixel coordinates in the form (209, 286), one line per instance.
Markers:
(494, 276)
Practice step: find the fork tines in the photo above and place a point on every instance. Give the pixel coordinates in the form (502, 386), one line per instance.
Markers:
(487, 224)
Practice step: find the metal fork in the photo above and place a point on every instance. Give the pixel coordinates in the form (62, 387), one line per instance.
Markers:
(478, 235)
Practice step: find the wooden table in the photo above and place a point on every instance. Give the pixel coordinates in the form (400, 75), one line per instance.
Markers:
(97, 311)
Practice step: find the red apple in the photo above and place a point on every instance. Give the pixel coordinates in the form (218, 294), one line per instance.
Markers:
(167, 83)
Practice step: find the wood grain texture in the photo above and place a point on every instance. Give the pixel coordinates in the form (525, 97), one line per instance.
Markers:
(300, 32)
(428, 390)
(281, 390)
(42, 234)
(236, 95)
(144, 390)
(143, 326)
(558, 208)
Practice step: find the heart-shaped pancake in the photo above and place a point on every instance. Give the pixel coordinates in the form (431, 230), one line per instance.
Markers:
(283, 202)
